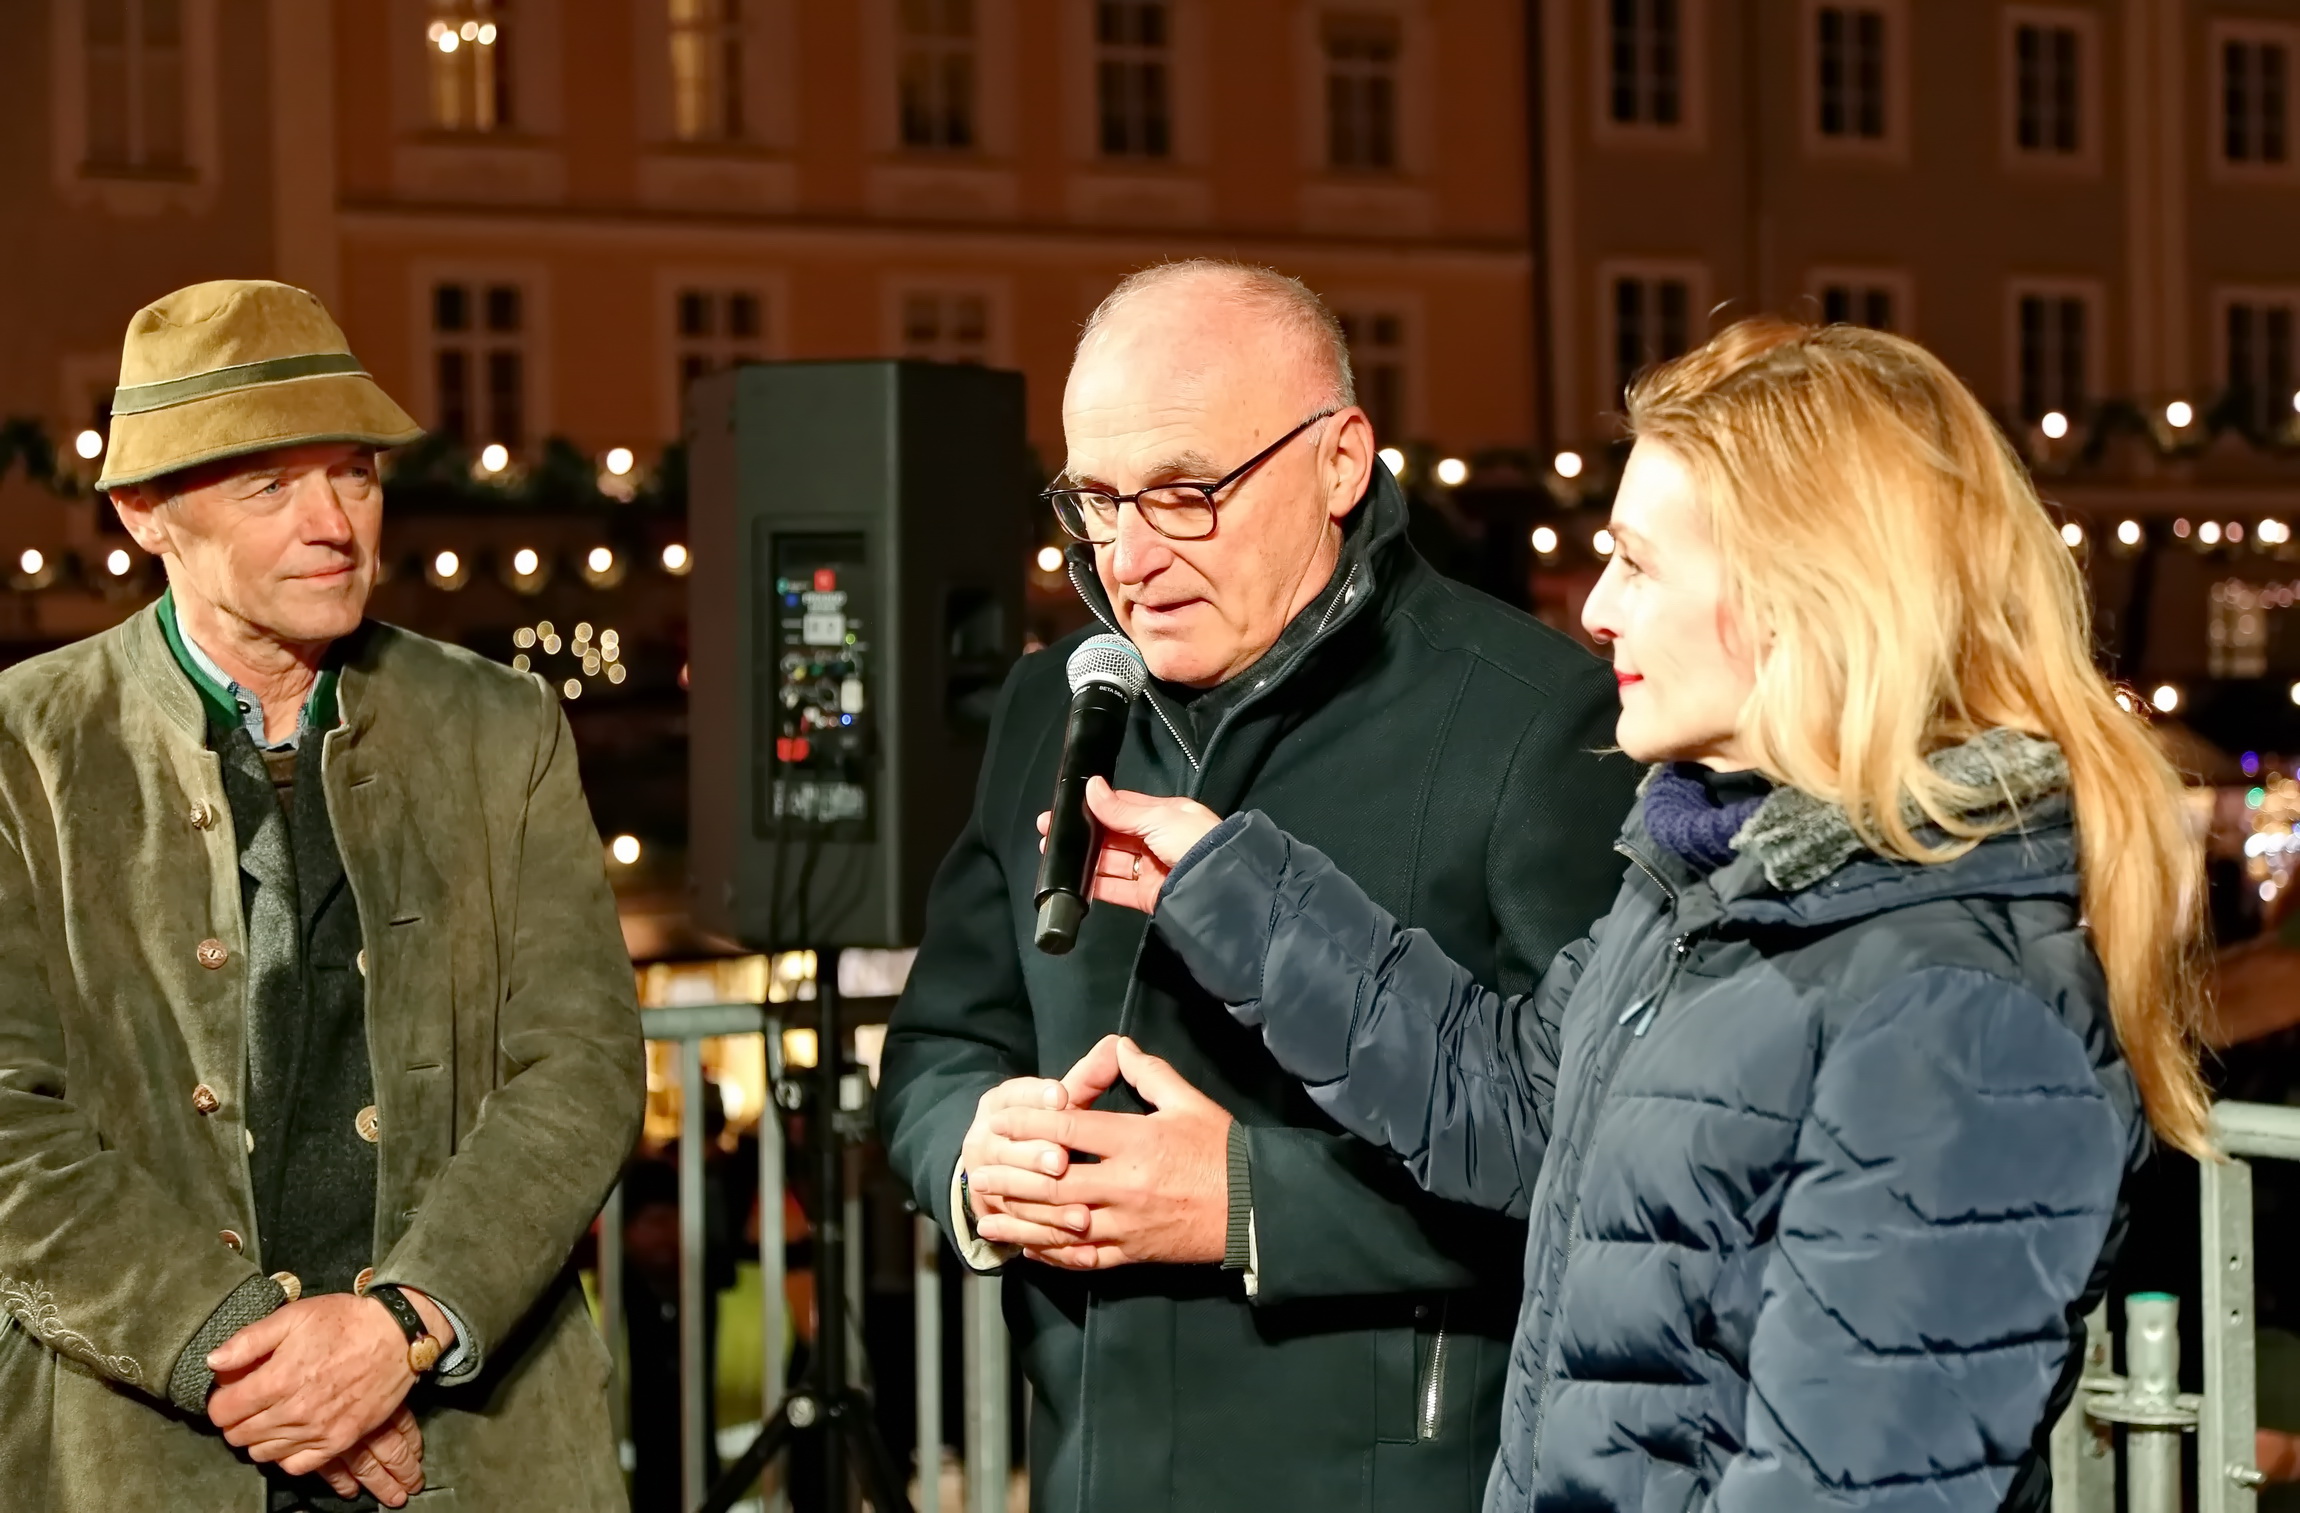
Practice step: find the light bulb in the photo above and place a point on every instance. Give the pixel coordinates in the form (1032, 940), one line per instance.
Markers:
(2178, 414)
(2073, 534)
(676, 558)
(117, 563)
(1452, 471)
(1050, 559)
(626, 849)
(526, 562)
(1568, 464)
(2129, 532)
(1394, 460)
(1544, 540)
(495, 457)
(32, 561)
(2054, 424)
(449, 41)
(620, 460)
(447, 564)
(2209, 533)
(1602, 542)
(600, 559)
(2166, 698)
(89, 444)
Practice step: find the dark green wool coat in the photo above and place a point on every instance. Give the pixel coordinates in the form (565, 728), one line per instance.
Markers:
(1444, 745)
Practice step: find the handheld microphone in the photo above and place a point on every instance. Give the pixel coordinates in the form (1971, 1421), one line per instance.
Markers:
(1106, 673)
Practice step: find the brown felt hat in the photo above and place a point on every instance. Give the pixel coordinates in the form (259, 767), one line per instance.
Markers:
(236, 366)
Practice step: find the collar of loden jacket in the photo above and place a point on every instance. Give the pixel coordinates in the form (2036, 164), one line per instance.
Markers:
(1802, 865)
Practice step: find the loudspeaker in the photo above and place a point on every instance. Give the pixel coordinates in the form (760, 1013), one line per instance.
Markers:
(860, 532)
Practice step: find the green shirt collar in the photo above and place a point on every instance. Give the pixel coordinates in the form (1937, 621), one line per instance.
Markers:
(227, 703)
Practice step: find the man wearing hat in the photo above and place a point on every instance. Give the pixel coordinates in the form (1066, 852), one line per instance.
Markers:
(318, 1047)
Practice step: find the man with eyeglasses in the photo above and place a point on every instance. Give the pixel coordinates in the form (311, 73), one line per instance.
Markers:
(1221, 1300)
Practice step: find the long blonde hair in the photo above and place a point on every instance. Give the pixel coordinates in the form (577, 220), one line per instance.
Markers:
(1909, 590)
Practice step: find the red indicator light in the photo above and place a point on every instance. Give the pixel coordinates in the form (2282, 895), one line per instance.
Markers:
(792, 748)
(826, 579)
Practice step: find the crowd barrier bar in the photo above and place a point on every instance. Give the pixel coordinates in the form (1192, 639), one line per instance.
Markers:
(987, 1382)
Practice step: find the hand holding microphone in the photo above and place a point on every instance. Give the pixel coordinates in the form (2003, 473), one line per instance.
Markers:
(1141, 838)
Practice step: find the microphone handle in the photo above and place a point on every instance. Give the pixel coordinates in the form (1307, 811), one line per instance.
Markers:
(1090, 745)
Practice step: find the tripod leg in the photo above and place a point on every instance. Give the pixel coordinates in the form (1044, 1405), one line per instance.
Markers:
(738, 1477)
(882, 1483)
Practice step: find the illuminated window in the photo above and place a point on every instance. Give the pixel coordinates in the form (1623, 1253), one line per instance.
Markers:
(1645, 53)
(936, 82)
(1362, 91)
(1377, 341)
(1652, 322)
(135, 93)
(2048, 101)
(2054, 352)
(707, 38)
(1850, 72)
(470, 67)
(2261, 376)
(1131, 39)
(479, 363)
(2255, 100)
(716, 328)
(943, 326)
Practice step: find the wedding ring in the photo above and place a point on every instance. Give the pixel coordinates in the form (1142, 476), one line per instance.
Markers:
(1136, 874)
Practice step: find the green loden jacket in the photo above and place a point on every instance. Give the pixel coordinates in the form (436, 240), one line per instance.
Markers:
(501, 1025)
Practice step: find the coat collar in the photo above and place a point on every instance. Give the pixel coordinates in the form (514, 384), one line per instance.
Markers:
(1801, 865)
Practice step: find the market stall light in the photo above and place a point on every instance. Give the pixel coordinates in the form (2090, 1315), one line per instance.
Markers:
(2054, 425)
(1452, 472)
(625, 849)
(1567, 464)
(117, 562)
(89, 444)
(1544, 540)
(446, 565)
(2073, 534)
(1602, 542)
(600, 559)
(2166, 698)
(32, 562)
(2209, 533)
(1394, 460)
(494, 457)
(526, 562)
(1050, 559)
(676, 558)
(620, 461)
(2178, 414)
(2273, 532)
(2128, 532)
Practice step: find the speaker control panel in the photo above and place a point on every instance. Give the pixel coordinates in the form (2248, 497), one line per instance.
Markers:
(814, 755)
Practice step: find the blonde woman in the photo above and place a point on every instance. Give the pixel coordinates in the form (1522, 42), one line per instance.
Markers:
(1822, 1131)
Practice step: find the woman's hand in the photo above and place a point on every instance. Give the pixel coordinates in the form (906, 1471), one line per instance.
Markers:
(1141, 840)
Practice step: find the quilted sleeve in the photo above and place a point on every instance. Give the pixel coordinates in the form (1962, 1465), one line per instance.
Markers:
(1956, 1178)
(1388, 1035)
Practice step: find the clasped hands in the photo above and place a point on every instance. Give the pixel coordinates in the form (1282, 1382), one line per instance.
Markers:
(319, 1386)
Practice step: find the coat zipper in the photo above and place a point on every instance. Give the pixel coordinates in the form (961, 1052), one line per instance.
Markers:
(1643, 1011)
(1433, 1385)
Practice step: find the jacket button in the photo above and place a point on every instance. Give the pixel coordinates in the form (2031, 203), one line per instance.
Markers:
(230, 1238)
(367, 1123)
(359, 1283)
(205, 1100)
(201, 816)
(212, 953)
(290, 1283)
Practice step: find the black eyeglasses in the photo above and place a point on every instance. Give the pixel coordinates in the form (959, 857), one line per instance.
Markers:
(1177, 511)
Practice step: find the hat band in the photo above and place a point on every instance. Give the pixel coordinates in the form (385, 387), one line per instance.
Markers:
(138, 399)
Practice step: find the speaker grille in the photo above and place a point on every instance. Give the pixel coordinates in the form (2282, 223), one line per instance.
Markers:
(1111, 661)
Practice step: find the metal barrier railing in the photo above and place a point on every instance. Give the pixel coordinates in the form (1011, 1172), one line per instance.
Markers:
(986, 1359)
(2146, 1401)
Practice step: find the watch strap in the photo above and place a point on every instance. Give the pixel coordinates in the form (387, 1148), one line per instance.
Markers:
(423, 1347)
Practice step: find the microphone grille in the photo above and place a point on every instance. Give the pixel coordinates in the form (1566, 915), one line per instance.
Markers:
(1111, 661)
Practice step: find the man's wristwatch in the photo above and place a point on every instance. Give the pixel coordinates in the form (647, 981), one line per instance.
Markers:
(423, 1347)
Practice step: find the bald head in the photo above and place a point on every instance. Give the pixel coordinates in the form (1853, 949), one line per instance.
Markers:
(1185, 373)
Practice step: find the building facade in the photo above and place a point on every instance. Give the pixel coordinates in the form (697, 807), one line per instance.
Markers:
(2089, 208)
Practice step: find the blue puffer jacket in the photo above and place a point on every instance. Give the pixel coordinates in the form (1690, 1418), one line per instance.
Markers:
(1822, 1152)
